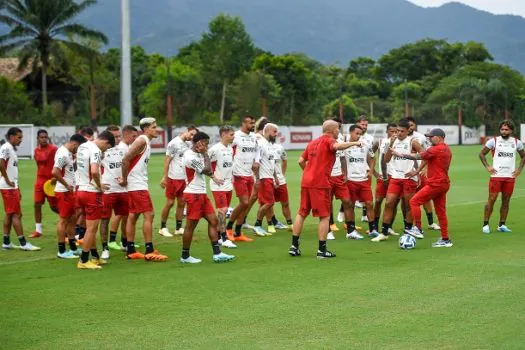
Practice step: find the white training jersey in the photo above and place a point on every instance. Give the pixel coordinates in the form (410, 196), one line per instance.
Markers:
(221, 158)
(383, 148)
(368, 139)
(64, 162)
(356, 162)
(138, 168)
(504, 154)
(267, 162)
(88, 153)
(194, 165)
(245, 146)
(401, 166)
(336, 169)
(112, 168)
(175, 150)
(280, 156)
(8, 154)
(421, 139)
(124, 146)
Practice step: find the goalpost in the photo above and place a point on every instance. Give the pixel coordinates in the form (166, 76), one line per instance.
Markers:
(25, 150)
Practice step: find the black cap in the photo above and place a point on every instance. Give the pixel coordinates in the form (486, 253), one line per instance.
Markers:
(436, 132)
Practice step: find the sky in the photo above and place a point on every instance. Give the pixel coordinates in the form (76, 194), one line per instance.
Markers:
(516, 7)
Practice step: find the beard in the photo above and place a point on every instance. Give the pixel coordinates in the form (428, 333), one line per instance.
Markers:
(272, 139)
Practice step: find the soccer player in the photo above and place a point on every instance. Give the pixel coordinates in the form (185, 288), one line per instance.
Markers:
(174, 180)
(198, 166)
(266, 177)
(244, 153)
(10, 191)
(281, 192)
(339, 189)
(401, 186)
(115, 197)
(503, 172)
(64, 174)
(438, 158)
(385, 174)
(44, 155)
(135, 178)
(359, 164)
(89, 195)
(412, 132)
(221, 158)
(317, 161)
(89, 135)
(129, 134)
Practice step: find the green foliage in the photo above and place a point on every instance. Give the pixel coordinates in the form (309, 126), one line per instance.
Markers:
(15, 105)
(350, 111)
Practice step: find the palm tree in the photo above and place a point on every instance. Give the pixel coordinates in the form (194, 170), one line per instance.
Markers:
(39, 28)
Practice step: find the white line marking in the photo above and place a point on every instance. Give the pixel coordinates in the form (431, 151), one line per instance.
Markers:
(6, 263)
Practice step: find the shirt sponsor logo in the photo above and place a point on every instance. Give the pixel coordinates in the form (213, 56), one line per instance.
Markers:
(248, 149)
(506, 154)
(356, 160)
(115, 165)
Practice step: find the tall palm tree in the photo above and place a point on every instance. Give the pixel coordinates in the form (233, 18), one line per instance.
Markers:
(39, 27)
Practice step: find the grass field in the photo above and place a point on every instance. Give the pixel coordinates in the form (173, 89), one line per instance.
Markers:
(371, 296)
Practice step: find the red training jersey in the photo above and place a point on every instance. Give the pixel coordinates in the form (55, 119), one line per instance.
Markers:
(45, 159)
(439, 158)
(320, 157)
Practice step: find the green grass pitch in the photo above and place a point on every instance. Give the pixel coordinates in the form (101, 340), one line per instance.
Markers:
(372, 296)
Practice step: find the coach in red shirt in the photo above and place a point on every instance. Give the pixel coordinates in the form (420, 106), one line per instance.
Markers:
(437, 159)
(317, 162)
(45, 158)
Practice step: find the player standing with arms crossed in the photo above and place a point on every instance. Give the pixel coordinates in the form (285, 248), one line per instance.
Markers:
(317, 162)
(221, 158)
(10, 191)
(503, 172)
(44, 155)
(174, 180)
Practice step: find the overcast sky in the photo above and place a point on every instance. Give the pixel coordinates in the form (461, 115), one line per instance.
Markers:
(516, 7)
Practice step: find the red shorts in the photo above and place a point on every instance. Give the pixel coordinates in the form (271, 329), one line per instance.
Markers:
(11, 201)
(139, 202)
(360, 191)
(118, 202)
(401, 187)
(266, 192)
(316, 200)
(222, 198)
(39, 195)
(175, 188)
(504, 185)
(339, 188)
(381, 188)
(243, 185)
(66, 204)
(198, 206)
(91, 204)
(281, 194)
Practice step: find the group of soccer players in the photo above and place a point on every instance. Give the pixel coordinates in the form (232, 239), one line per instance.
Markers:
(102, 184)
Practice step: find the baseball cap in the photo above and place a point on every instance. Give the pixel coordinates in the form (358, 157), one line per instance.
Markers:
(436, 132)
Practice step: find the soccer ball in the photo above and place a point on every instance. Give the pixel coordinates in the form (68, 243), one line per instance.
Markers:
(229, 212)
(407, 242)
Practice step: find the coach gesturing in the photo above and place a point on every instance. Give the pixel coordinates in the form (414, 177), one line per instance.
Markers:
(317, 161)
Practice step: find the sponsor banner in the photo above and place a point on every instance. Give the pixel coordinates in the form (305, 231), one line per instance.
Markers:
(59, 135)
(472, 136)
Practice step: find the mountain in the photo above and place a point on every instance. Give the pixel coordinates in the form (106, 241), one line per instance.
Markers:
(327, 30)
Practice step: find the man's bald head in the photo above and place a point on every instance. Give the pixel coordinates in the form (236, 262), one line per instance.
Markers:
(331, 128)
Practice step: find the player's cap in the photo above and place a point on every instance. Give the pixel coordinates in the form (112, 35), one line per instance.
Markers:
(436, 132)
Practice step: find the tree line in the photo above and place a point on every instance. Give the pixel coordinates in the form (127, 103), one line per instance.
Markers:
(224, 75)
